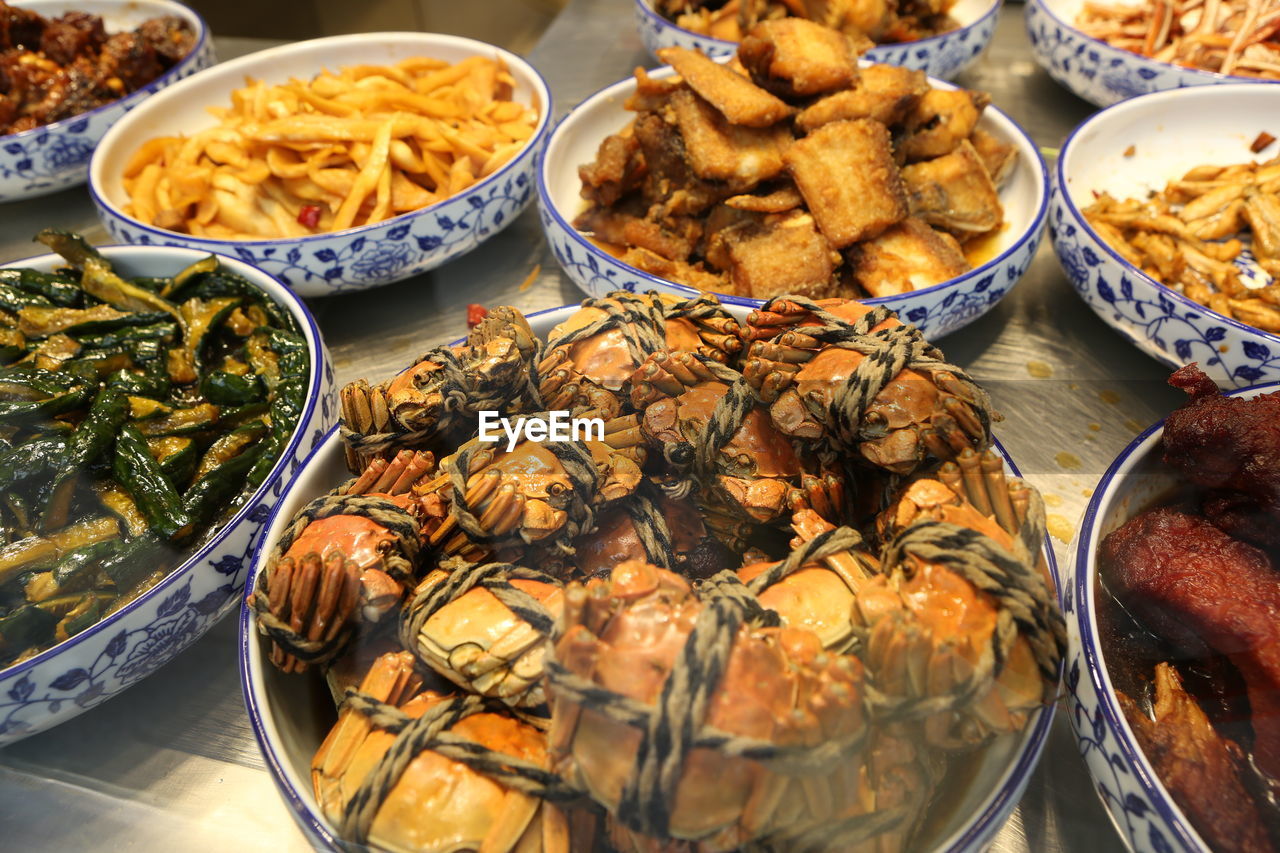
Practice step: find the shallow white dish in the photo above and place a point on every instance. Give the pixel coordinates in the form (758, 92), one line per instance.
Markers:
(944, 55)
(356, 258)
(56, 156)
(291, 714)
(149, 631)
(1170, 132)
(1140, 807)
(1096, 71)
(936, 310)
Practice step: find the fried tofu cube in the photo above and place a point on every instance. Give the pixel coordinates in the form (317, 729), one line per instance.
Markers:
(737, 98)
(909, 256)
(846, 172)
(883, 92)
(803, 56)
(954, 192)
(719, 151)
(783, 255)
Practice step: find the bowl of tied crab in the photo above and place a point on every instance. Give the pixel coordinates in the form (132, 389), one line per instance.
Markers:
(1170, 599)
(705, 543)
(862, 180)
(1166, 219)
(940, 40)
(78, 68)
(155, 403)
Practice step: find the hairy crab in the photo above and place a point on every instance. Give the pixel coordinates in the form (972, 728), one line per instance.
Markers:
(854, 379)
(589, 356)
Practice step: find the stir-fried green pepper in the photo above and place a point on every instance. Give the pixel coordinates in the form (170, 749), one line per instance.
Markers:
(134, 416)
(137, 470)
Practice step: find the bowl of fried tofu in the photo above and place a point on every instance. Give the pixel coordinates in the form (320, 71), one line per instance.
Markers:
(795, 167)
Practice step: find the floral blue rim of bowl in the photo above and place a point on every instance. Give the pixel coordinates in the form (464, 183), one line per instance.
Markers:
(1078, 600)
(1079, 260)
(74, 154)
(377, 253)
(19, 696)
(949, 314)
(978, 831)
(1115, 86)
(943, 55)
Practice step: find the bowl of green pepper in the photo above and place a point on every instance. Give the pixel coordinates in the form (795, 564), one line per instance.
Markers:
(154, 403)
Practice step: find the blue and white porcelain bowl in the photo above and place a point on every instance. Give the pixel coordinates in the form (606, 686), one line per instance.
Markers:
(1170, 133)
(291, 714)
(1140, 807)
(149, 631)
(356, 258)
(56, 156)
(937, 310)
(1096, 71)
(944, 55)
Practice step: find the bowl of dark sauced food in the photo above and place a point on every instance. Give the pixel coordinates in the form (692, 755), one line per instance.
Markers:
(153, 401)
(70, 70)
(1173, 663)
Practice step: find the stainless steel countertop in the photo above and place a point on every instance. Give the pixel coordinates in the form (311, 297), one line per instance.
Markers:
(173, 763)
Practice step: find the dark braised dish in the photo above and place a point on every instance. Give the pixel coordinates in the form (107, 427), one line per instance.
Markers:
(135, 416)
(1189, 617)
(55, 68)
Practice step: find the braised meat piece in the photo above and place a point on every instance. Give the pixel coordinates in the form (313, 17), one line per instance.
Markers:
(130, 59)
(1229, 446)
(793, 57)
(72, 35)
(846, 172)
(1201, 769)
(885, 93)
(954, 192)
(169, 37)
(19, 28)
(907, 256)
(739, 100)
(1195, 586)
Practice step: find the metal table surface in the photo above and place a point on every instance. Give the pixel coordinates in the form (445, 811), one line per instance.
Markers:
(173, 762)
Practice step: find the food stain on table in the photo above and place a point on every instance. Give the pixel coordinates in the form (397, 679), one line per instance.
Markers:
(1109, 396)
(1095, 426)
(1039, 369)
(1067, 460)
(1059, 527)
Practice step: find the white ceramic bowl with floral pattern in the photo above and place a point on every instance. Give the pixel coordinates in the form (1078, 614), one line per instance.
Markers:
(56, 156)
(134, 641)
(1145, 815)
(1096, 71)
(944, 55)
(291, 714)
(1170, 133)
(937, 310)
(356, 258)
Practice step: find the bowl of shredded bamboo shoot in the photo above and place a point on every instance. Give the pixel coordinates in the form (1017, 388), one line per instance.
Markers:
(335, 164)
(1108, 50)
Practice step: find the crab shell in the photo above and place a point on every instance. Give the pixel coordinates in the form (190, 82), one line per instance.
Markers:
(929, 628)
(892, 422)
(437, 804)
(625, 635)
(477, 643)
(614, 540)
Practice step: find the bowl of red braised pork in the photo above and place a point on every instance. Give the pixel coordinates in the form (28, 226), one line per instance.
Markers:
(1173, 664)
(70, 69)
